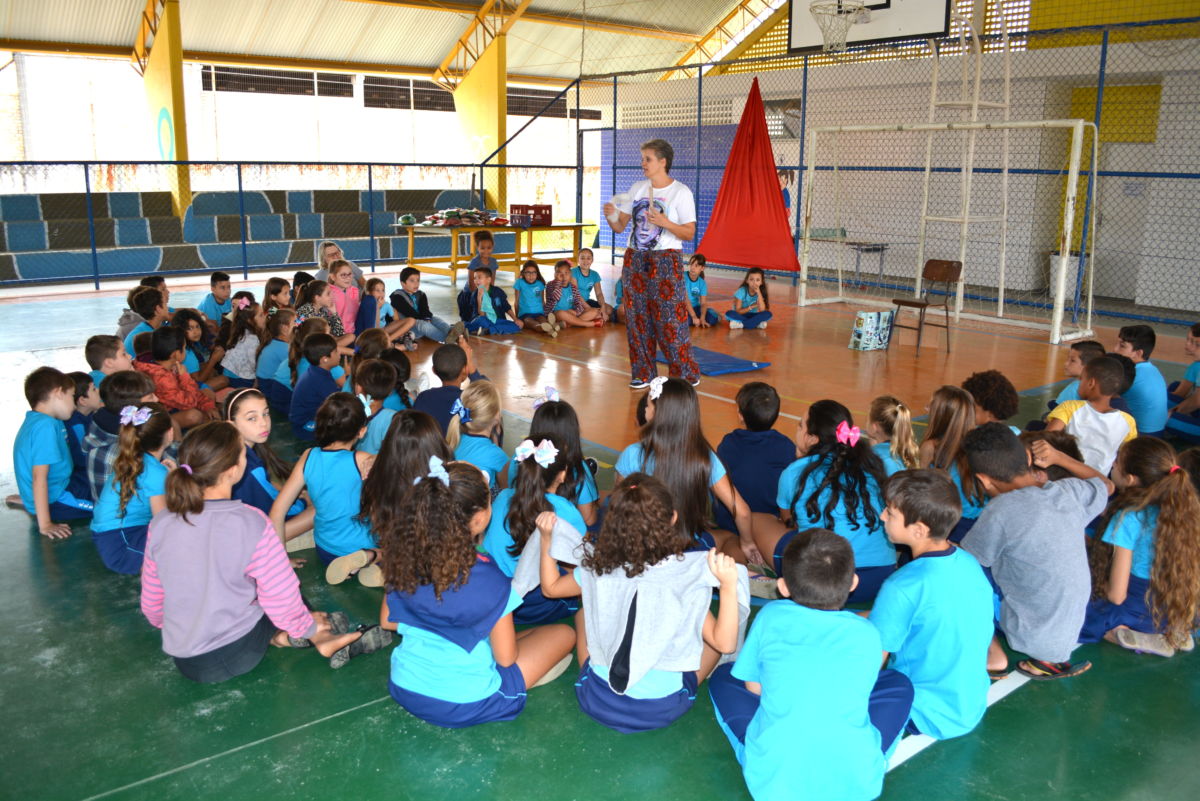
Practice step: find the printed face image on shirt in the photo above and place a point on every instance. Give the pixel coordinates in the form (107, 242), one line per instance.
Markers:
(645, 233)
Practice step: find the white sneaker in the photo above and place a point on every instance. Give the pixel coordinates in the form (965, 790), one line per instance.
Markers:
(735, 324)
(1144, 643)
(555, 671)
(762, 325)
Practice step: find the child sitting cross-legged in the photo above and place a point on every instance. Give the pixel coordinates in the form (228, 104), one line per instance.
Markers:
(751, 302)
(374, 380)
(105, 354)
(148, 303)
(216, 578)
(121, 389)
(1098, 428)
(529, 293)
(889, 422)
(1147, 397)
(273, 352)
(241, 338)
(202, 355)
(460, 661)
(174, 386)
(475, 429)
(452, 364)
(564, 304)
(317, 384)
(555, 419)
(87, 401)
(754, 455)
(649, 638)
(805, 660)
(935, 613)
(488, 310)
(1031, 539)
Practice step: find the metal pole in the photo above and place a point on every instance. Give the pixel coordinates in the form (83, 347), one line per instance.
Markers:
(87, 189)
(242, 217)
(612, 242)
(809, 175)
(1064, 247)
(578, 159)
(699, 129)
(1087, 202)
(371, 214)
(800, 163)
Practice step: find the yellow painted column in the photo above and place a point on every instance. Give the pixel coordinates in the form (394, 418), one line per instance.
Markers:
(163, 79)
(481, 103)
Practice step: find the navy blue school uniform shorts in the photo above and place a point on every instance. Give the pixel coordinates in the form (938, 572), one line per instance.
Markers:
(504, 704)
(122, 549)
(628, 715)
(536, 609)
(870, 579)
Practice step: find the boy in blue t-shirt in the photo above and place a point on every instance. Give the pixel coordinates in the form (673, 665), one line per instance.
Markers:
(489, 311)
(754, 455)
(148, 303)
(1078, 355)
(1184, 419)
(317, 384)
(106, 355)
(805, 708)
(935, 614)
(217, 303)
(1147, 398)
(46, 480)
(87, 401)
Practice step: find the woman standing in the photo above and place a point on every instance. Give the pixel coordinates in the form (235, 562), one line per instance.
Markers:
(663, 212)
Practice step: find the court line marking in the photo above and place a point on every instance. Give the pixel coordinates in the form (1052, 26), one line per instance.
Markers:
(234, 750)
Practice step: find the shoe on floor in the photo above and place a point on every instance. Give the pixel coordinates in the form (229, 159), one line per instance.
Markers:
(343, 567)
(1144, 643)
(371, 575)
(764, 587)
(736, 324)
(456, 331)
(555, 671)
(548, 328)
(550, 318)
(761, 325)
(372, 640)
(638, 383)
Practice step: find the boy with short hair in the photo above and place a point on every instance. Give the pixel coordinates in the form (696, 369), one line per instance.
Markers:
(488, 308)
(176, 389)
(409, 301)
(1078, 355)
(148, 303)
(317, 384)
(1147, 398)
(1184, 419)
(1098, 428)
(48, 487)
(218, 302)
(453, 364)
(158, 282)
(121, 389)
(805, 708)
(935, 613)
(1031, 539)
(754, 455)
(106, 355)
(87, 401)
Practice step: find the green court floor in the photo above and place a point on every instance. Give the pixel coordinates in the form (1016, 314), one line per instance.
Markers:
(94, 709)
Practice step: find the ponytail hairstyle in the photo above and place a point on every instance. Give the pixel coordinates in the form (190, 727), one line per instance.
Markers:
(746, 283)
(849, 468)
(339, 419)
(1174, 594)
(399, 360)
(558, 422)
(370, 344)
(1189, 460)
(202, 348)
(241, 320)
(482, 402)
(529, 490)
(431, 542)
(895, 421)
(309, 292)
(282, 322)
(682, 456)
(313, 325)
(135, 439)
(951, 416)
(411, 438)
(274, 286)
(206, 452)
(638, 531)
(278, 469)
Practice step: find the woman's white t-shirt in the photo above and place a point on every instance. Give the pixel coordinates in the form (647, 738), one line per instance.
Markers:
(674, 200)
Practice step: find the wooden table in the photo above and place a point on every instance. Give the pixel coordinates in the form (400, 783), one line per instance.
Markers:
(461, 256)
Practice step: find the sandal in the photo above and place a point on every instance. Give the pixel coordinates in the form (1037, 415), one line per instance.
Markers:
(344, 567)
(373, 638)
(1037, 670)
(764, 587)
(997, 675)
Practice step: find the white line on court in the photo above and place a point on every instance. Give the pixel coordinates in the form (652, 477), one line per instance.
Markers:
(243, 747)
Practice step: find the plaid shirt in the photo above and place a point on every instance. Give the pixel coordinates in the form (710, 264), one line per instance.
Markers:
(99, 451)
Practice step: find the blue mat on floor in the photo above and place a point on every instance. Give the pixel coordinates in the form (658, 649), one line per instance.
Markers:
(713, 363)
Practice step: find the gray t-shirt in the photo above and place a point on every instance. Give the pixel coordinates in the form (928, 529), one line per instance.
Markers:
(1033, 542)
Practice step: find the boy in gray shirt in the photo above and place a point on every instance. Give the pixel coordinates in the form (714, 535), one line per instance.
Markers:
(1031, 539)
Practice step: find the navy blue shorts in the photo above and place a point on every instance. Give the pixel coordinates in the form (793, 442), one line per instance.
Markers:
(870, 579)
(239, 383)
(504, 704)
(702, 542)
(233, 659)
(532, 316)
(1104, 616)
(278, 396)
(122, 549)
(74, 502)
(629, 715)
(536, 609)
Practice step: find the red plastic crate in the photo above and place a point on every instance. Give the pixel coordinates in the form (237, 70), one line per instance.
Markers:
(538, 214)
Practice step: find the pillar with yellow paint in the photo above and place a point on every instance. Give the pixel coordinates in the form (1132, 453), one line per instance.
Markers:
(163, 80)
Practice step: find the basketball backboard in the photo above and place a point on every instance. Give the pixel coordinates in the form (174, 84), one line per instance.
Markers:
(890, 21)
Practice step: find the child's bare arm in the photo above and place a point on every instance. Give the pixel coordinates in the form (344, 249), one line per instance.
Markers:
(288, 495)
(1118, 575)
(41, 504)
(553, 585)
(384, 623)
(1045, 455)
(504, 642)
(721, 632)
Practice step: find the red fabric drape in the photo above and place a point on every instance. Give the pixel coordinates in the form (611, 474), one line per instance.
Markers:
(749, 223)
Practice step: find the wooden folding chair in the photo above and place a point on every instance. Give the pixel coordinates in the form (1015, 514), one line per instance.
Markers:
(937, 271)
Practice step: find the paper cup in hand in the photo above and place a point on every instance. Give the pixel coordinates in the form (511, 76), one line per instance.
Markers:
(622, 203)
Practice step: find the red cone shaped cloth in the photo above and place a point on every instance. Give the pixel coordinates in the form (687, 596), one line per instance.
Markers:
(749, 224)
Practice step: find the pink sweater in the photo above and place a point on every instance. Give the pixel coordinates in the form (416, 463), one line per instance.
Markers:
(206, 582)
(346, 303)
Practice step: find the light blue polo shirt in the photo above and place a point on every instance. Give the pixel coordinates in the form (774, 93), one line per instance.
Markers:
(42, 439)
(871, 546)
(335, 487)
(891, 464)
(812, 735)
(530, 296)
(151, 482)
(1147, 398)
(631, 461)
(970, 507)
(1069, 393)
(497, 538)
(139, 328)
(1134, 531)
(483, 453)
(274, 354)
(213, 310)
(695, 289)
(935, 616)
(585, 282)
(377, 428)
(743, 297)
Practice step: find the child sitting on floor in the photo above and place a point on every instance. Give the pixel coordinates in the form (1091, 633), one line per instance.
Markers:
(473, 431)
(42, 460)
(241, 337)
(1147, 398)
(1078, 355)
(564, 304)
(148, 303)
(996, 399)
(697, 292)
(106, 355)
(935, 613)
(374, 381)
(585, 279)
(136, 491)
(315, 300)
(87, 401)
(452, 364)
(951, 416)
(1184, 396)
(1097, 427)
(272, 353)
(216, 578)
(889, 422)
(121, 389)
(460, 661)
(1031, 539)
(317, 384)
(295, 365)
(555, 419)
(173, 386)
(1146, 563)
(754, 455)
(751, 302)
(649, 638)
(217, 303)
(619, 301)
(488, 310)
(411, 303)
(201, 356)
(399, 398)
(277, 295)
(806, 660)
(529, 295)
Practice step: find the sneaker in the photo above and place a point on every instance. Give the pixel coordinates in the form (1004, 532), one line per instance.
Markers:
(554, 672)
(762, 325)
(549, 329)
(1144, 643)
(371, 575)
(550, 318)
(372, 640)
(456, 331)
(735, 324)
(695, 382)
(764, 587)
(638, 383)
(344, 567)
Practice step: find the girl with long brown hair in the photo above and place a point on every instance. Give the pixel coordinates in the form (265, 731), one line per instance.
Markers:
(276, 343)
(1146, 563)
(951, 416)
(241, 336)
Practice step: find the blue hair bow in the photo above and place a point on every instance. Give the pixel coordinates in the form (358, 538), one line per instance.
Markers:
(464, 414)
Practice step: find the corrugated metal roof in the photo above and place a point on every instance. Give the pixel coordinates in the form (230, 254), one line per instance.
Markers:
(104, 22)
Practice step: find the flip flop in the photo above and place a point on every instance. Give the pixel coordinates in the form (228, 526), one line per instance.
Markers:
(997, 675)
(372, 640)
(1037, 670)
(764, 587)
(343, 567)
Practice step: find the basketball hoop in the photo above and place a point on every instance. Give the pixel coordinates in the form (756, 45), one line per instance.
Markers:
(835, 19)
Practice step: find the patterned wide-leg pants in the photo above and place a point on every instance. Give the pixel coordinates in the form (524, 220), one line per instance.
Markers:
(656, 311)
